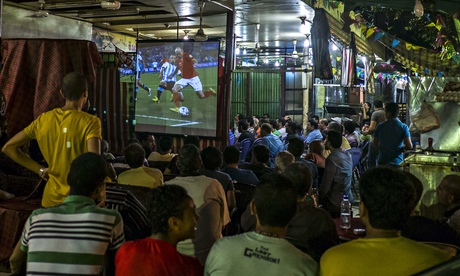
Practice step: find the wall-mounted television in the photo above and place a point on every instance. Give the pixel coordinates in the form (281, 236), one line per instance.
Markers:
(186, 73)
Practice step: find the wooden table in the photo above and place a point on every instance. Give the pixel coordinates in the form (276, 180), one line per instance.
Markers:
(348, 234)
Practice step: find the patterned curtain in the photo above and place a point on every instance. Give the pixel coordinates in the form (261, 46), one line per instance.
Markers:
(32, 72)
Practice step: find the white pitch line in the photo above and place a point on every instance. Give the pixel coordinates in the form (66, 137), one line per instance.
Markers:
(181, 122)
(186, 124)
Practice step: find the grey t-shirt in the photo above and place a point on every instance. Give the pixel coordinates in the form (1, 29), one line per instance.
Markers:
(378, 116)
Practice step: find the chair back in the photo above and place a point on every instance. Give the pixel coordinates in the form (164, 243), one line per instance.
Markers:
(355, 155)
(161, 165)
(450, 249)
(245, 145)
(243, 195)
(140, 192)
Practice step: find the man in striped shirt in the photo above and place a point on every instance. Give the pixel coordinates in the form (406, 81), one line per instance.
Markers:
(75, 236)
(168, 75)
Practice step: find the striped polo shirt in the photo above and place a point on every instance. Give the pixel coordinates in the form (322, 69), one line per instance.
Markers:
(168, 69)
(70, 238)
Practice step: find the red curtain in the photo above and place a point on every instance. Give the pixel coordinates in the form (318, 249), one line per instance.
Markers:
(32, 73)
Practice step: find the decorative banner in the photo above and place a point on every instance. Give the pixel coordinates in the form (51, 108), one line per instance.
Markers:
(431, 25)
(378, 36)
(410, 46)
(395, 43)
(369, 32)
(426, 71)
(440, 74)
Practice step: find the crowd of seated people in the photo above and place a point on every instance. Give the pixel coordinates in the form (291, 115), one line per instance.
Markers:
(284, 228)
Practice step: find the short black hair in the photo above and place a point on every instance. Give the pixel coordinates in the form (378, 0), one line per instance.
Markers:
(189, 159)
(250, 121)
(165, 201)
(134, 155)
(266, 128)
(334, 138)
(165, 143)
(281, 121)
(301, 177)
(392, 108)
(292, 125)
(388, 196)
(296, 146)
(212, 158)
(243, 124)
(142, 136)
(349, 126)
(261, 153)
(335, 126)
(273, 124)
(231, 155)
(378, 104)
(74, 85)
(275, 200)
(315, 117)
(87, 174)
(313, 123)
(452, 186)
(192, 140)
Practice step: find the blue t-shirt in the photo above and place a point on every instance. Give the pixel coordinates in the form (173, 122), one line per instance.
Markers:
(391, 134)
(314, 135)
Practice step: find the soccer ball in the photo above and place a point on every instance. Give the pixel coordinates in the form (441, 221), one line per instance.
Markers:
(183, 110)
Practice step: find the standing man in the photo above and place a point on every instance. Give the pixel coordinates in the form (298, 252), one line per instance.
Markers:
(168, 75)
(189, 77)
(74, 237)
(376, 118)
(337, 176)
(391, 137)
(62, 135)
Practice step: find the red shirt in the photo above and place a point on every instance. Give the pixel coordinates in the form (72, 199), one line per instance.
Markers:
(154, 257)
(186, 66)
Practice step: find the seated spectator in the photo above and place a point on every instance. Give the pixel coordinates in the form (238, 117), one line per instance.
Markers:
(148, 143)
(110, 159)
(281, 127)
(296, 147)
(283, 159)
(291, 132)
(272, 142)
(365, 136)
(313, 132)
(139, 175)
(259, 161)
(315, 154)
(337, 176)
(245, 133)
(387, 200)
(172, 167)
(448, 193)
(274, 126)
(351, 135)
(165, 146)
(82, 233)
(212, 161)
(210, 200)
(322, 126)
(312, 227)
(231, 159)
(172, 213)
(423, 229)
(265, 251)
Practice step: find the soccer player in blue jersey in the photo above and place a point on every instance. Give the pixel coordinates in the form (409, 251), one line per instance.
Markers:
(168, 77)
(140, 67)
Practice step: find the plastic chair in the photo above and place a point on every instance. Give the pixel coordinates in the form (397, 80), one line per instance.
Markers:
(355, 157)
(245, 145)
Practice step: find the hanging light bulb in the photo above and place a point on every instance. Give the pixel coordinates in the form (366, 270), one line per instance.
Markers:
(237, 51)
(306, 43)
(244, 51)
(418, 8)
(186, 34)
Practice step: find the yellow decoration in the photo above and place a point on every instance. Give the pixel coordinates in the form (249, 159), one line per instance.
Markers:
(438, 25)
(341, 7)
(363, 29)
(369, 32)
(334, 70)
(339, 58)
(431, 25)
(414, 69)
(352, 15)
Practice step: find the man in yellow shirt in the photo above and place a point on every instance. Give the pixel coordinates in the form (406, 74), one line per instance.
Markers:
(387, 199)
(139, 175)
(62, 135)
